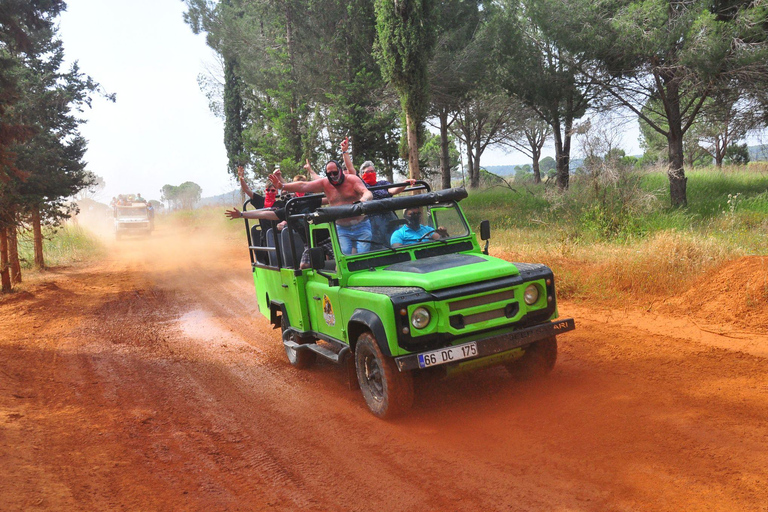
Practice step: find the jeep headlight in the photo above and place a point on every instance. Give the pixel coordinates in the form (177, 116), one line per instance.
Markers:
(420, 317)
(531, 295)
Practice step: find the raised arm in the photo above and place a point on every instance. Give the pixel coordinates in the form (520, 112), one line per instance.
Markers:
(243, 185)
(297, 186)
(311, 173)
(264, 213)
(397, 190)
(347, 159)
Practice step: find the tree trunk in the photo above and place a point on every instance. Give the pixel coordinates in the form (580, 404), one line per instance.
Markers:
(445, 162)
(676, 171)
(413, 146)
(389, 170)
(562, 155)
(536, 154)
(38, 238)
(13, 254)
(719, 153)
(474, 175)
(478, 153)
(5, 274)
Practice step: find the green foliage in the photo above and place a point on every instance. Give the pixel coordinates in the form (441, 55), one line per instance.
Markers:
(535, 65)
(404, 46)
(63, 246)
(184, 196)
(737, 154)
(668, 58)
(731, 208)
(547, 163)
(523, 173)
(233, 116)
(307, 78)
(362, 110)
(405, 41)
(430, 152)
(41, 162)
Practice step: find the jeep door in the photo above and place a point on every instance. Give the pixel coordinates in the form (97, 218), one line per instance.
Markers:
(323, 299)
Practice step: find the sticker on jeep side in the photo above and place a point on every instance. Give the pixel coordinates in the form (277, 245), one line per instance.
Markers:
(328, 315)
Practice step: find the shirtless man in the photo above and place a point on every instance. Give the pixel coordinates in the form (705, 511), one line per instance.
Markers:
(340, 189)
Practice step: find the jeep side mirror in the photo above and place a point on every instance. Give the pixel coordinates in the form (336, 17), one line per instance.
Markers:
(317, 258)
(485, 234)
(317, 263)
(485, 230)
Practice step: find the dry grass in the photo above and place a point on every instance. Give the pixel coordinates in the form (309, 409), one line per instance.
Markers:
(663, 264)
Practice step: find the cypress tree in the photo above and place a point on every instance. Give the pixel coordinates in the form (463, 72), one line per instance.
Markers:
(233, 114)
(405, 42)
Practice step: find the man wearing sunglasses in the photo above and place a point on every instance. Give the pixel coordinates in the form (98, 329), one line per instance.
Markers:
(340, 189)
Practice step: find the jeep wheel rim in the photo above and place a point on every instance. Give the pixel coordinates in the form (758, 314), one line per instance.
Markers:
(373, 377)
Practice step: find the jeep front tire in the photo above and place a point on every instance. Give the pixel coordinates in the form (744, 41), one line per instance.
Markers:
(537, 361)
(387, 391)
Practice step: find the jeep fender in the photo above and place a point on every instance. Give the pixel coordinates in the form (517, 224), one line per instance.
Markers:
(366, 320)
(274, 309)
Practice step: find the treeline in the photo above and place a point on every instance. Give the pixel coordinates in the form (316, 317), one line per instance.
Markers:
(299, 75)
(41, 149)
(184, 196)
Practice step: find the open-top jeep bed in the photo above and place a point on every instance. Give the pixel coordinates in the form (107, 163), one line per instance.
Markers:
(441, 303)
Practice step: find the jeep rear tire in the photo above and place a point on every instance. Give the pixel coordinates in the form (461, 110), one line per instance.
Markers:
(537, 361)
(298, 358)
(387, 391)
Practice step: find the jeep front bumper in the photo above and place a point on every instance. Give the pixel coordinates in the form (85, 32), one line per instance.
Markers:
(500, 343)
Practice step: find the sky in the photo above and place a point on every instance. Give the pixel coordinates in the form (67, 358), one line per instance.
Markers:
(160, 130)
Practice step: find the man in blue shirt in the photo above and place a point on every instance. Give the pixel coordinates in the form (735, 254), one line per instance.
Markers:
(413, 230)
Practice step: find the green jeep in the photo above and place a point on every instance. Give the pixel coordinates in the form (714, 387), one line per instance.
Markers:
(438, 303)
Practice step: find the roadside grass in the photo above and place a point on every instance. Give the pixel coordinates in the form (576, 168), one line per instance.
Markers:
(620, 239)
(209, 217)
(65, 245)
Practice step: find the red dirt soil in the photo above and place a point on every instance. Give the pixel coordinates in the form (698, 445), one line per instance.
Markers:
(148, 381)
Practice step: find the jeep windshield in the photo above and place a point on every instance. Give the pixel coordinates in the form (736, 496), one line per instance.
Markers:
(131, 212)
(398, 223)
(405, 228)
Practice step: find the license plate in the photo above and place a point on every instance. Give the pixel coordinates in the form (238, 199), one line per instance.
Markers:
(447, 355)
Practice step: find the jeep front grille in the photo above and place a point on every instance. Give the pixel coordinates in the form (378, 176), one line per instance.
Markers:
(506, 307)
(481, 300)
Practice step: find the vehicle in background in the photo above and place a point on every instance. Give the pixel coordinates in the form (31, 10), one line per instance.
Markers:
(136, 218)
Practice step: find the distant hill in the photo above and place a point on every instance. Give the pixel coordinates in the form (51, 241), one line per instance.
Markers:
(226, 199)
(509, 170)
(501, 170)
(758, 153)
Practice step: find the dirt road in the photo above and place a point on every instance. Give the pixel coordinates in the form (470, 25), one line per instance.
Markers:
(149, 382)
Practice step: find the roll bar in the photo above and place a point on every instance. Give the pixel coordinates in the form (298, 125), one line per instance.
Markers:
(332, 213)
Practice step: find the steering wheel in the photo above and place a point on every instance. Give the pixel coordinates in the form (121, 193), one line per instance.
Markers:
(426, 235)
(440, 231)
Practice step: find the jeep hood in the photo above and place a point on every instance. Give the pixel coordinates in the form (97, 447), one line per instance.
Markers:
(437, 272)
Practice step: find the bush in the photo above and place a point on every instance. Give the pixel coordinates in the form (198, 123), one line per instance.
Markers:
(737, 154)
(61, 246)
